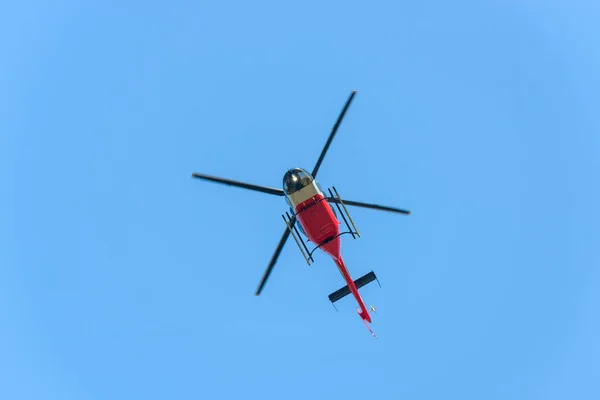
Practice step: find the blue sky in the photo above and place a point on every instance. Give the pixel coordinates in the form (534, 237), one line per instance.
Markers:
(122, 277)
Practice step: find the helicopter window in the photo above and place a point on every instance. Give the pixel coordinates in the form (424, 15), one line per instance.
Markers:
(302, 230)
(318, 186)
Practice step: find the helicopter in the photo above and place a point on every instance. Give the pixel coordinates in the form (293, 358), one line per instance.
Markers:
(312, 211)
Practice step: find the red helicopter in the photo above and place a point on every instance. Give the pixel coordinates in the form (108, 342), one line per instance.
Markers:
(313, 209)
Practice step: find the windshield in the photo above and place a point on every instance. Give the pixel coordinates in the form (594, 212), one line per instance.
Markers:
(295, 179)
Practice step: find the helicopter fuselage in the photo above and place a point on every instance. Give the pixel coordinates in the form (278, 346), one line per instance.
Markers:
(321, 226)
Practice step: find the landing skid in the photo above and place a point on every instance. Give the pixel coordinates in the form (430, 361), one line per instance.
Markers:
(337, 199)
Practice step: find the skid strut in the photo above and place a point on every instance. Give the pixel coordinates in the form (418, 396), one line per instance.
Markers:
(345, 213)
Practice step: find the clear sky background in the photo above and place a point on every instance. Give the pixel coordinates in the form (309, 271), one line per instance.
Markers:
(121, 277)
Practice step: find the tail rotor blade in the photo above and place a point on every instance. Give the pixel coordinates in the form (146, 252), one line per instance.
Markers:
(332, 134)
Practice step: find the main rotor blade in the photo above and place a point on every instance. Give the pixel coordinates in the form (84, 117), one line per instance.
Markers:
(264, 189)
(286, 234)
(332, 134)
(366, 205)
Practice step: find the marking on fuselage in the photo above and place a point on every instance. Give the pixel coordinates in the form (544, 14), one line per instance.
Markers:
(304, 194)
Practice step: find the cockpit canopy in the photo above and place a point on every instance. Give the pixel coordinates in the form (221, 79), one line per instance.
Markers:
(295, 179)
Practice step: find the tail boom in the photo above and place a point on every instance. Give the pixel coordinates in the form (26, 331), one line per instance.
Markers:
(352, 287)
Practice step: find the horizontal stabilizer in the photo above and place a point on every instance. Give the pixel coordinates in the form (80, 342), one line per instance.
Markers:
(360, 282)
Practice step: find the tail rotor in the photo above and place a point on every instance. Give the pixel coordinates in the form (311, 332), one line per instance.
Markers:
(360, 313)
